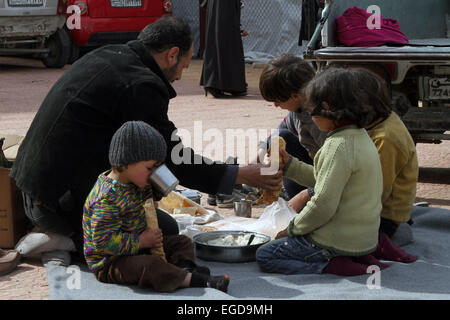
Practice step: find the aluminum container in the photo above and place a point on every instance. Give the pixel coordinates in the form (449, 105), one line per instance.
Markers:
(208, 252)
(243, 208)
(163, 180)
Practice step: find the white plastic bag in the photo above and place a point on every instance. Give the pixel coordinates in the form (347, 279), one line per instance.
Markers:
(275, 218)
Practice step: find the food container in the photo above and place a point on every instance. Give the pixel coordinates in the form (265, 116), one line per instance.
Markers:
(227, 253)
(194, 195)
(163, 180)
(243, 208)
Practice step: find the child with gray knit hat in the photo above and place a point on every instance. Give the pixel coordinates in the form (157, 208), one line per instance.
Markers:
(117, 242)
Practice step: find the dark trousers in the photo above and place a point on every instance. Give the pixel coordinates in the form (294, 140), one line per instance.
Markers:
(150, 271)
(60, 217)
(295, 149)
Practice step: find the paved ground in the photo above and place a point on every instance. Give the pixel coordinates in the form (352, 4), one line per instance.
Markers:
(24, 84)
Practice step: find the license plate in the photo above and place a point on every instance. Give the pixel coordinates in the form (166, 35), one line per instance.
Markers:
(439, 88)
(25, 3)
(126, 3)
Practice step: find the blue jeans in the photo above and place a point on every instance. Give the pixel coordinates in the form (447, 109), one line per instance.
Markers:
(293, 255)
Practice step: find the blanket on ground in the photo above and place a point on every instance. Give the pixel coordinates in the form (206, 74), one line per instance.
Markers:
(427, 278)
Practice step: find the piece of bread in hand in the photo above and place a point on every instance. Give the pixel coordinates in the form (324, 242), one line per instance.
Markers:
(268, 197)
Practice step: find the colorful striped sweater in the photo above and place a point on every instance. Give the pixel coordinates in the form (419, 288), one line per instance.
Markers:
(113, 218)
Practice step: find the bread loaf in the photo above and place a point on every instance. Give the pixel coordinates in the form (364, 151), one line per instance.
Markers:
(268, 197)
(152, 223)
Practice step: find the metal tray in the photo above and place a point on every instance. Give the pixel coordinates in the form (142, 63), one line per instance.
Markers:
(209, 252)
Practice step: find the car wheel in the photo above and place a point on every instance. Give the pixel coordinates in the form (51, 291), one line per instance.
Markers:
(75, 54)
(60, 49)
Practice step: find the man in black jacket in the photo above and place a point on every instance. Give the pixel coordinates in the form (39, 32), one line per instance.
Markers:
(66, 146)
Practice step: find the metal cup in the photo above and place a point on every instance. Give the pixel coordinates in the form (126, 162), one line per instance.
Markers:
(243, 208)
(163, 180)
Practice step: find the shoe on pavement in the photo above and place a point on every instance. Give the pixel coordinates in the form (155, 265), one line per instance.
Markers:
(34, 244)
(56, 258)
(9, 259)
(227, 200)
(211, 200)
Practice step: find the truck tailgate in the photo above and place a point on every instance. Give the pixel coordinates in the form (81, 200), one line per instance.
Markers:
(387, 53)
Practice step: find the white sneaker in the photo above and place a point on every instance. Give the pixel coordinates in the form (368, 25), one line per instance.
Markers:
(56, 258)
(34, 244)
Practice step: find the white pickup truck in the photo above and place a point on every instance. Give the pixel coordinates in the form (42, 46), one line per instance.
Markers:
(418, 73)
(35, 28)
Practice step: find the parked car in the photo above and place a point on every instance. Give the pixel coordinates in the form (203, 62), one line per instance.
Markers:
(40, 28)
(35, 28)
(113, 21)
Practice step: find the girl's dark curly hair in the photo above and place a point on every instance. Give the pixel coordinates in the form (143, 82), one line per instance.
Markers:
(353, 95)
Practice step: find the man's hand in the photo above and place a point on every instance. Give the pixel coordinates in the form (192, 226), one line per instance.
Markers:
(251, 175)
(151, 238)
(300, 200)
(281, 234)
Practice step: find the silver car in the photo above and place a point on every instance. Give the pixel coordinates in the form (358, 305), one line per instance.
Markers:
(35, 28)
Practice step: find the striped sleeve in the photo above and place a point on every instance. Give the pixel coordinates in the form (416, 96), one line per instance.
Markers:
(107, 236)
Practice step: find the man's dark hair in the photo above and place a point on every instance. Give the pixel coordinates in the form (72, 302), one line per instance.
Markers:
(355, 95)
(283, 76)
(165, 33)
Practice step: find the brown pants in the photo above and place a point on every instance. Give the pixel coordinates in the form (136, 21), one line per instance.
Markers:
(146, 270)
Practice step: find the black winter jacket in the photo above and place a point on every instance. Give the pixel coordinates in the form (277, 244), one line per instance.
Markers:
(67, 144)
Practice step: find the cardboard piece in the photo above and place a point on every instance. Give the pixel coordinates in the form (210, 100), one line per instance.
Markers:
(13, 222)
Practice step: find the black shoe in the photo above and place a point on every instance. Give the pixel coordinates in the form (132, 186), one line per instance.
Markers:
(219, 282)
(238, 93)
(211, 200)
(191, 267)
(216, 93)
(245, 189)
(227, 200)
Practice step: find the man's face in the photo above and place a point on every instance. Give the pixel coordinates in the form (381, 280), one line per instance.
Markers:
(175, 72)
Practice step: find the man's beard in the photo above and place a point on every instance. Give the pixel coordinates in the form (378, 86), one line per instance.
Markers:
(170, 73)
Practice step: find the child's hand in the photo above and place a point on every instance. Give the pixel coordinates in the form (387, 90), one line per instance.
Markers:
(284, 157)
(281, 234)
(299, 201)
(151, 238)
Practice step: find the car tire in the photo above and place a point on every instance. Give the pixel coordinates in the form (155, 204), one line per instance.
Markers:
(60, 47)
(75, 54)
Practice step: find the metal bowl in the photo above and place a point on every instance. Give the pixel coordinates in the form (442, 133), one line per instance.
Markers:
(209, 252)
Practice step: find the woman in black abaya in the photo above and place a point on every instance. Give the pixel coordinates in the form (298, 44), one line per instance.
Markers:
(223, 62)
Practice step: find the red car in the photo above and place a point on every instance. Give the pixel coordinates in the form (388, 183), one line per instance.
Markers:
(111, 21)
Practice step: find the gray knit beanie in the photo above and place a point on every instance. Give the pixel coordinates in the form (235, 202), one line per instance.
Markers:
(136, 141)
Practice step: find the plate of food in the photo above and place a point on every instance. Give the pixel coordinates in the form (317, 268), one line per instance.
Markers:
(228, 246)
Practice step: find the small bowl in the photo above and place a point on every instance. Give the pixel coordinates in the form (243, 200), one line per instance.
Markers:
(243, 208)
